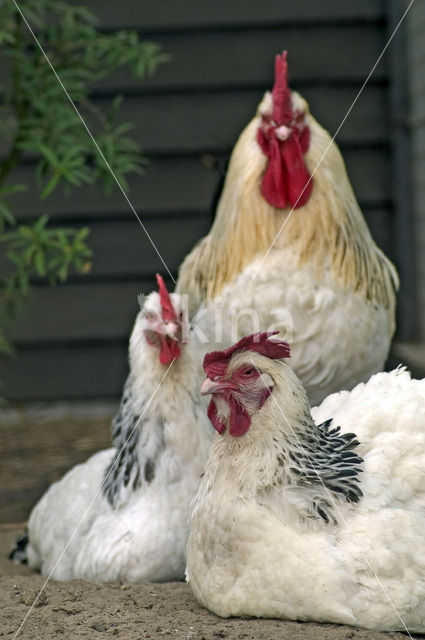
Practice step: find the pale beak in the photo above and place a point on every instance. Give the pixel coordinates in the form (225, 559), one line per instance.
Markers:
(208, 386)
(171, 329)
(283, 132)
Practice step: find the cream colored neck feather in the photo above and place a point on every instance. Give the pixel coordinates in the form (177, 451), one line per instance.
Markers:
(329, 232)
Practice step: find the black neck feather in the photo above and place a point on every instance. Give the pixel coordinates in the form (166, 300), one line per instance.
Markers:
(324, 458)
(130, 467)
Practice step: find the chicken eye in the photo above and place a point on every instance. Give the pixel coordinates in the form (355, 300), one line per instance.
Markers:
(248, 372)
(148, 315)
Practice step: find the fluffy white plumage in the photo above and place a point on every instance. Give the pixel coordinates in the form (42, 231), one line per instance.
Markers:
(136, 527)
(269, 539)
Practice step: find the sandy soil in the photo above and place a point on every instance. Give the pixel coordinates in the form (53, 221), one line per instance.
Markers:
(68, 610)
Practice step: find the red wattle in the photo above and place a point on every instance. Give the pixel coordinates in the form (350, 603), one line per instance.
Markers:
(298, 183)
(239, 418)
(213, 416)
(274, 183)
(168, 351)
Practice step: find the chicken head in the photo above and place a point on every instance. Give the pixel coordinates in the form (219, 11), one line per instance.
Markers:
(238, 387)
(284, 137)
(162, 324)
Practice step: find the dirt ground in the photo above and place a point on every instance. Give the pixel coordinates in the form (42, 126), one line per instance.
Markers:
(68, 610)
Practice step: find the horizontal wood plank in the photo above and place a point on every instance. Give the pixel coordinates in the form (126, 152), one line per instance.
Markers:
(123, 248)
(66, 372)
(88, 311)
(160, 14)
(198, 122)
(245, 58)
(169, 186)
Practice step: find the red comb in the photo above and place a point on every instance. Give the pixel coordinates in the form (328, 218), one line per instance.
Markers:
(282, 104)
(168, 311)
(215, 363)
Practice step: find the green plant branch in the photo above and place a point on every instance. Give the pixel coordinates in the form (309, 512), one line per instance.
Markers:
(39, 121)
(21, 109)
(10, 161)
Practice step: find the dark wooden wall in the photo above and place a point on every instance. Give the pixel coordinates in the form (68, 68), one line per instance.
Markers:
(72, 342)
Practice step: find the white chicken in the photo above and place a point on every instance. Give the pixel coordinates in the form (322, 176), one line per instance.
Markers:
(309, 520)
(293, 252)
(131, 502)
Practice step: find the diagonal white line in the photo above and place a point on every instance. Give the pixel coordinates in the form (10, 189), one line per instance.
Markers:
(99, 150)
(331, 497)
(91, 503)
(333, 138)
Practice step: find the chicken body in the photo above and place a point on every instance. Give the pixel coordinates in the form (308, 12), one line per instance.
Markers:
(131, 502)
(294, 520)
(299, 269)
